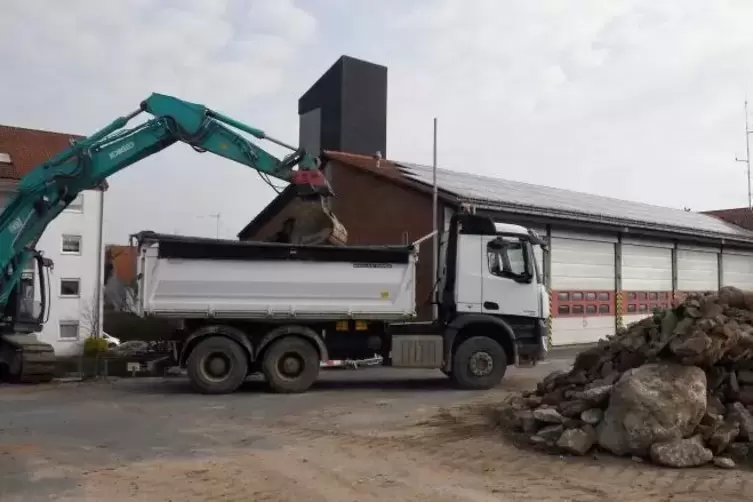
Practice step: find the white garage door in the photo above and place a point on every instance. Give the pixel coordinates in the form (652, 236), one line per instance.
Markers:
(582, 288)
(646, 278)
(737, 269)
(697, 269)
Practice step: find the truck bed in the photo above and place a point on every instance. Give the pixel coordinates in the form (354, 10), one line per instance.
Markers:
(191, 277)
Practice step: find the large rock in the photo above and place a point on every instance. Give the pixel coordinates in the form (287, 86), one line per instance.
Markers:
(688, 452)
(660, 402)
(577, 441)
(548, 416)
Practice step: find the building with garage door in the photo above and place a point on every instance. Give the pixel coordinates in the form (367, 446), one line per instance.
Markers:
(608, 262)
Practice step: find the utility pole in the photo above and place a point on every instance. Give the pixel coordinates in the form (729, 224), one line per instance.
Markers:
(747, 154)
(434, 217)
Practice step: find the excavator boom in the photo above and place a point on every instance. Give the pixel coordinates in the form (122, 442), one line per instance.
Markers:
(49, 188)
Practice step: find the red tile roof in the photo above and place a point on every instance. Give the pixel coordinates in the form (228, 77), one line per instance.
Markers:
(382, 167)
(29, 147)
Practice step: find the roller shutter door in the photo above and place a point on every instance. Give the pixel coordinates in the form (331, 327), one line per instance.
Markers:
(646, 278)
(737, 269)
(697, 270)
(583, 290)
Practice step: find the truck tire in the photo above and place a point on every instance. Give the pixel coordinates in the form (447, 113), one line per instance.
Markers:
(290, 365)
(479, 363)
(217, 365)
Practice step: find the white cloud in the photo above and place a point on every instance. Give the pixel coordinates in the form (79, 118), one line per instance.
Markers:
(75, 68)
(626, 98)
(630, 98)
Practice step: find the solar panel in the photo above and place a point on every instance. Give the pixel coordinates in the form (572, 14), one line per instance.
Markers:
(506, 193)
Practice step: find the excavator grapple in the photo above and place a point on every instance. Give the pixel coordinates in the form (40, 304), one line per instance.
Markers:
(311, 222)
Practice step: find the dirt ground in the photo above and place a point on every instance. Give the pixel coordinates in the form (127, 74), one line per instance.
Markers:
(363, 436)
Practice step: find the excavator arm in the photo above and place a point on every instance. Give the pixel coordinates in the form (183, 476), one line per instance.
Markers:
(49, 188)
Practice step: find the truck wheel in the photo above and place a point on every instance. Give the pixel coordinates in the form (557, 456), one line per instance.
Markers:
(479, 363)
(291, 365)
(217, 365)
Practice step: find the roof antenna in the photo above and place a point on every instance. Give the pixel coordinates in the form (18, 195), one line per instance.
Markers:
(748, 132)
(378, 157)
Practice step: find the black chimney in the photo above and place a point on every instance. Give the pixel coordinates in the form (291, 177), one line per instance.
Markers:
(346, 109)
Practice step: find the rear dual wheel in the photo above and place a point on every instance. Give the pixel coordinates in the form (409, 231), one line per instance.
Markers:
(291, 365)
(218, 365)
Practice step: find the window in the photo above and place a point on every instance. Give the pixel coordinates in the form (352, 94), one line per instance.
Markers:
(577, 309)
(577, 297)
(604, 308)
(591, 297)
(563, 309)
(564, 296)
(68, 330)
(72, 244)
(77, 204)
(590, 309)
(70, 287)
(507, 258)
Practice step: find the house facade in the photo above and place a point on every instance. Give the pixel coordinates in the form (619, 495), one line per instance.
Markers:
(73, 241)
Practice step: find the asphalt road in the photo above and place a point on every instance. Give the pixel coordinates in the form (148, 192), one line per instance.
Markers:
(131, 420)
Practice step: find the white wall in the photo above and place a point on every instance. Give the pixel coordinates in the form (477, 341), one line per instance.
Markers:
(83, 221)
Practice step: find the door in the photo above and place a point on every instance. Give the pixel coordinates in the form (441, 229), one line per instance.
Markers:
(737, 270)
(697, 270)
(508, 280)
(646, 278)
(583, 279)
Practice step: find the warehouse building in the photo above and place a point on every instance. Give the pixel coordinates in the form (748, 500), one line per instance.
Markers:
(72, 241)
(608, 262)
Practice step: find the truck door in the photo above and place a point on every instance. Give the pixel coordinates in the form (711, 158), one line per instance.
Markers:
(509, 284)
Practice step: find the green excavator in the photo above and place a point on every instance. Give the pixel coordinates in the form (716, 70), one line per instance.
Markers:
(50, 187)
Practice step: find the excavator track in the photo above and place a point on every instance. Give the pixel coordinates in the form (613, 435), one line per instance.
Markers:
(24, 359)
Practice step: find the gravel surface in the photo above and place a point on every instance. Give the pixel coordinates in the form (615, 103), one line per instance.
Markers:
(366, 435)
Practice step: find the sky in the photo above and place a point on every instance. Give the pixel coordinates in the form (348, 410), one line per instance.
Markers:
(640, 100)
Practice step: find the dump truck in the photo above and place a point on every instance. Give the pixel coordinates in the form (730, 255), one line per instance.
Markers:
(279, 308)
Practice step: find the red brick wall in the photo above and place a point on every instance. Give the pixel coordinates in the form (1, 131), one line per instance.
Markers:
(375, 210)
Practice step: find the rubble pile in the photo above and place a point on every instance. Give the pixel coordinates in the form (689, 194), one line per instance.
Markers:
(675, 388)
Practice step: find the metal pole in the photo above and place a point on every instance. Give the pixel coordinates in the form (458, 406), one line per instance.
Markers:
(747, 154)
(434, 217)
(99, 289)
